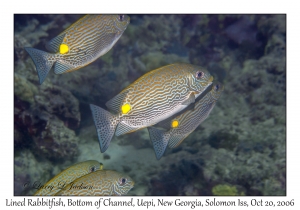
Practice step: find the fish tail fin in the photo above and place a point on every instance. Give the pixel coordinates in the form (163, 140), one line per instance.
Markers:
(41, 61)
(105, 123)
(159, 140)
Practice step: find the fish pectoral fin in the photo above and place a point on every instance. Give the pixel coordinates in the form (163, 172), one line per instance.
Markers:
(123, 128)
(189, 100)
(116, 102)
(159, 140)
(60, 67)
(197, 93)
(54, 44)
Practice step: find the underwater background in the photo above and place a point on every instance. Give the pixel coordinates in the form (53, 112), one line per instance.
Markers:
(240, 149)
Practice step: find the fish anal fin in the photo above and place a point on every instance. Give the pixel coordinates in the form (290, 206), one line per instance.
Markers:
(54, 44)
(176, 140)
(123, 128)
(159, 140)
(61, 67)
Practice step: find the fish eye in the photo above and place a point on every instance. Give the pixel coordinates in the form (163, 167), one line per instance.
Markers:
(121, 17)
(199, 74)
(217, 87)
(122, 181)
(93, 168)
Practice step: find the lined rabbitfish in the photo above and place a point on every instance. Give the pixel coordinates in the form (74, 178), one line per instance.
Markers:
(104, 182)
(152, 98)
(179, 127)
(69, 175)
(80, 44)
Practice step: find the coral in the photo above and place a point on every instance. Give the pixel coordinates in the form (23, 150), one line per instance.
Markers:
(276, 46)
(21, 137)
(24, 89)
(270, 24)
(55, 141)
(224, 190)
(43, 116)
(241, 31)
(19, 43)
(29, 172)
(223, 139)
(34, 28)
(156, 59)
(57, 101)
(50, 136)
(155, 32)
(249, 168)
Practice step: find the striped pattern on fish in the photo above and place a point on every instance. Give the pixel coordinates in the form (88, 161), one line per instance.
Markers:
(99, 183)
(153, 97)
(185, 123)
(80, 44)
(69, 175)
(161, 93)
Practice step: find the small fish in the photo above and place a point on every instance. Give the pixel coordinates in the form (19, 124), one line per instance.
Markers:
(69, 175)
(179, 127)
(104, 182)
(80, 44)
(152, 98)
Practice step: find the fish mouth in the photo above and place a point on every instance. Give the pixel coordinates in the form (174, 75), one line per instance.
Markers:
(128, 19)
(208, 82)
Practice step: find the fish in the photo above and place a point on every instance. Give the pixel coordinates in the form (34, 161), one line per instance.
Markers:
(152, 98)
(79, 45)
(99, 183)
(180, 126)
(69, 175)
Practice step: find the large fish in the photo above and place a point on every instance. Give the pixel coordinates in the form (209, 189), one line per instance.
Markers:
(180, 126)
(80, 44)
(104, 182)
(69, 175)
(152, 98)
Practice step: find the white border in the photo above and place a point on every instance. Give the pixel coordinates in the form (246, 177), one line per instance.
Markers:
(8, 8)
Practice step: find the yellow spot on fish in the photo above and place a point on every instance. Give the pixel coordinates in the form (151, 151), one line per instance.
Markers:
(175, 124)
(211, 78)
(63, 49)
(101, 166)
(125, 108)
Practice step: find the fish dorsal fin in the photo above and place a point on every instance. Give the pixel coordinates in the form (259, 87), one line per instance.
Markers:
(54, 44)
(159, 140)
(123, 128)
(189, 100)
(61, 67)
(176, 140)
(116, 102)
